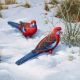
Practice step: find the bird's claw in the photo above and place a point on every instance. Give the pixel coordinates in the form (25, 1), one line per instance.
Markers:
(50, 51)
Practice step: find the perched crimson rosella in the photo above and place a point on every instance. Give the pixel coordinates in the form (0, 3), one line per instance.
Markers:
(45, 45)
(27, 29)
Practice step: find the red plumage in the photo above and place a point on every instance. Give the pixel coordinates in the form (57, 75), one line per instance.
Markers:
(30, 28)
(43, 46)
(47, 41)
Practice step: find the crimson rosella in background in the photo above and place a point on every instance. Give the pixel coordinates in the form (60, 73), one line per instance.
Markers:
(27, 29)
(45, 45)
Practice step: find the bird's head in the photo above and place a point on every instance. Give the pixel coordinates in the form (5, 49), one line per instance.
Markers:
(33, 24)
(57, 31)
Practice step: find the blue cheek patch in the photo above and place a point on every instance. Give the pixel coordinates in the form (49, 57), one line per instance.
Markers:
(58, 33)
(33, 26)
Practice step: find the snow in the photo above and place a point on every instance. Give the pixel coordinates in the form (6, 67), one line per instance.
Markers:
(13, 46)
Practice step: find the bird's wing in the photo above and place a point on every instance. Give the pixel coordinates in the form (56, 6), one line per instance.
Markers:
(44, 46)
(51, 46)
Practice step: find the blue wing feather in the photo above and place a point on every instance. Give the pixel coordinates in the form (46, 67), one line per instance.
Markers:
(13, 24)
(27, 57)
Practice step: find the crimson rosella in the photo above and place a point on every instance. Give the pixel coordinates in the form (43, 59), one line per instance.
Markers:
(27, 29)
(45, 45)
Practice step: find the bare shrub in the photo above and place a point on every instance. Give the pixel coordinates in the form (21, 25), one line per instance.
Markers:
(70, 10)
(3, 6)
(10, 2)
(46, 7)
(72, 34)
(27, 5)
(53, 2)
(0, 6)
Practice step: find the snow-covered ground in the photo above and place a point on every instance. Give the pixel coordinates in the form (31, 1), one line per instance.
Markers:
(64, 65)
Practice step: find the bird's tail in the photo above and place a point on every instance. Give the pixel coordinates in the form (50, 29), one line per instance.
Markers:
(27, 57)
(13, 24)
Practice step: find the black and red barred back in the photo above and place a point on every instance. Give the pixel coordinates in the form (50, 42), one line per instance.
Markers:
(44, 43)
